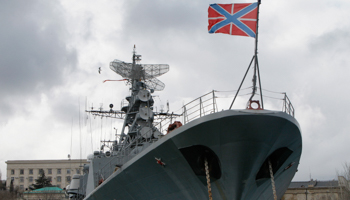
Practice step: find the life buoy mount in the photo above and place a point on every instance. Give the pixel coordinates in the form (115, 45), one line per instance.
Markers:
(252, 102)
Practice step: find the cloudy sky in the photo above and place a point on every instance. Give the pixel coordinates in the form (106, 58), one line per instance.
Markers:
(50, 52)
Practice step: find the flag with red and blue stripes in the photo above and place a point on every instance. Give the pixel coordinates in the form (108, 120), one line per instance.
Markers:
(233, 19)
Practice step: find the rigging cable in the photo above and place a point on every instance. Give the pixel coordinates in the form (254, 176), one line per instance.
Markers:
(101, 130)
(92, 148)
(234, 90)
(273, 91)
(105, 129)
(71, 138)
(80, 134)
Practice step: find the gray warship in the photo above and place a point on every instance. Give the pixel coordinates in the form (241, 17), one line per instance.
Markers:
(201, 153)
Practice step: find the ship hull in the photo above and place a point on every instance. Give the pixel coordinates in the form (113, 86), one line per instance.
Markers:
(238, 144)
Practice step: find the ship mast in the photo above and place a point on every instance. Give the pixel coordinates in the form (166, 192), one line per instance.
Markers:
(256, 63)
(256, 74)
(139, 112)
(138, 115)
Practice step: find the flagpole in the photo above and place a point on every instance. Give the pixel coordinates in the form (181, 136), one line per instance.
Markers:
(257, 24)
(257, 30)
(256, 65)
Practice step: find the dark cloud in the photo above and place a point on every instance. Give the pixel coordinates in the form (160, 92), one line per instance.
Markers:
(144, 18)
(333, 44)
(33, 49)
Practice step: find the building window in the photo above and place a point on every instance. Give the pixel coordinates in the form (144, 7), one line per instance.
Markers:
(58, 179)
(49, 171)
(21, 171)
(58, 171)
(21, 179)
(68, 171)
(30, 179)
(68, 179)
(21, 187)
(12, 171)
(49, 178)
(41, 171)
(78, 171)
(30, 171)
(12, 178)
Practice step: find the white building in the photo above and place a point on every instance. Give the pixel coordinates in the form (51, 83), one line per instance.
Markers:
(24, 172)
(318, 190)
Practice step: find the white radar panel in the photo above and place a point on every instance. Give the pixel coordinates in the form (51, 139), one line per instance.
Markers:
(145, 72)
(146, 113)
(144, 95)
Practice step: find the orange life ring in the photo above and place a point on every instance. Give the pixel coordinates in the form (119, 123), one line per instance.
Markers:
(173, 126)
(254, 101)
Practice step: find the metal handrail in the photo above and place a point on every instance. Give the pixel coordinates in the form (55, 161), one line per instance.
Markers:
(191, 111)
(287, 106)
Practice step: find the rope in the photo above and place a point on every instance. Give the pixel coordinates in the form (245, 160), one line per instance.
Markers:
(233, 90)
(208, 178)
(273, 91)
(272, 181)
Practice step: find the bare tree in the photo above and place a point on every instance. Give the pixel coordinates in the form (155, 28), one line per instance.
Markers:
(346, 171)
(343, 181)
(6, 195)
(1, 186)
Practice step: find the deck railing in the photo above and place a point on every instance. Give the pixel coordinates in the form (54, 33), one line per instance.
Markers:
(199, 107)
(195, 109)
(207, 104)
(287, 106)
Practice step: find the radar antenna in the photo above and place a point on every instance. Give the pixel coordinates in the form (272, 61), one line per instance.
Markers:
(145, 72)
